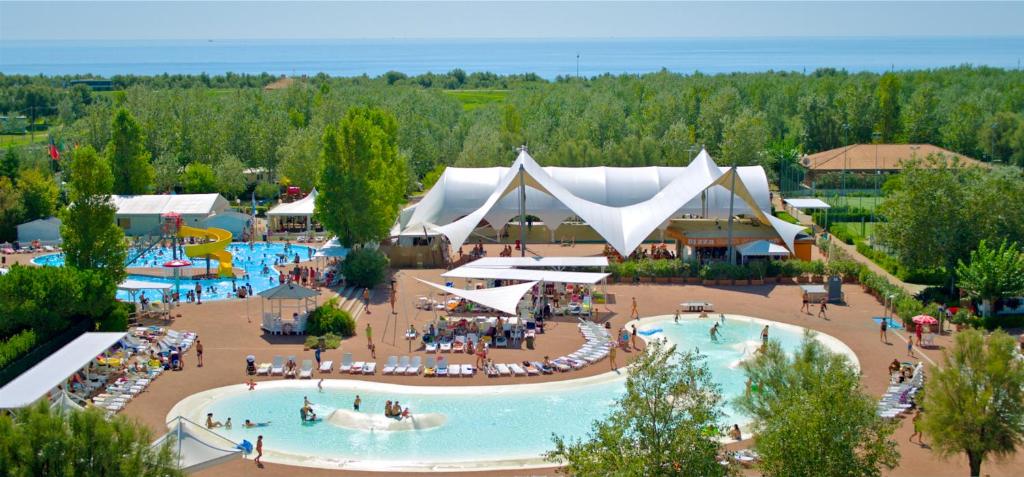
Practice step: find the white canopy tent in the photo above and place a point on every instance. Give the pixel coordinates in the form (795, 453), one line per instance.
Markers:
(52, 371)
(332, 249)
(807, 203)
(64, 403)
(539, 262)
(300, 208)
(135, 286)
(488, 273)
(762, 248)
(196, 447)
(505, 299)
(623, 205)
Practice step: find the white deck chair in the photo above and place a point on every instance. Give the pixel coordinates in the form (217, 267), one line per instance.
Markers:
(263, 369)
(370, 367)
(326, 366)
(357, 367)
(306, 371)
(389, 367)
(468, 370)
(403, 366)
(415, 367)
(503, 369)
(517, 369)
(278, 366)
(346, 363)
(455, 370)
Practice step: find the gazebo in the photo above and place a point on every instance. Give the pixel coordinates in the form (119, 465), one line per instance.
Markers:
(302, 299)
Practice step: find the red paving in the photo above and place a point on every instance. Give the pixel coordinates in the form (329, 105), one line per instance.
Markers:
(228, 337)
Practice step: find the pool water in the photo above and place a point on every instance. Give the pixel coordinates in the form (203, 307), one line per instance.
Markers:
(251, 258)
(484, 423)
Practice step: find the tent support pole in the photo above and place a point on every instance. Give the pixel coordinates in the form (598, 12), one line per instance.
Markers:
(522, 213)
(732, 200)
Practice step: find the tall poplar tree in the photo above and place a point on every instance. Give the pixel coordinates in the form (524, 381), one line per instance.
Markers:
(92, 239)
(129, 159)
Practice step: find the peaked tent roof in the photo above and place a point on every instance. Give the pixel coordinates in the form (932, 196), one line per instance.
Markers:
(504, 299)
(64, 403)
(625, 227)
(195, 447)
(492, 273)
(288, 291)
(762, 248)
(187, 204)
(53, 370)
(539, 262)
(301, 207)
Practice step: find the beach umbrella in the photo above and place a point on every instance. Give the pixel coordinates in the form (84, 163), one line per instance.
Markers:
(925, 320)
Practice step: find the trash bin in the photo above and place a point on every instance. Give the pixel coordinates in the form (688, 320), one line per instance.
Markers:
(529, 342)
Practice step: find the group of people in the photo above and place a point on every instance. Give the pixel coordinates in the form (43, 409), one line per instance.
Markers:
(248, 424)
(394, 410)
(306, 412)
(806, 306)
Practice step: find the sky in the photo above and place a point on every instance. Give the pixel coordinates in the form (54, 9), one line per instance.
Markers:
(202, 20)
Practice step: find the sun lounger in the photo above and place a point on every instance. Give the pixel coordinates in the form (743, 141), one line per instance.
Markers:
(442, 367)
(370, 367)
(346, 363)
(430, 369)
(561, 365)
(415, 367)
(357, 367)
(326, 366)
(530, 368)
(503, 369)
(263, 369)
(492, 371)
(455, 370)
(306, 371)
(517, 370)
(446, 346)
(501, 342)
(430, 347)
(540, 366)
(389, 367)
(403, 365)
(278, 367)
(459, 346)
(468, 370)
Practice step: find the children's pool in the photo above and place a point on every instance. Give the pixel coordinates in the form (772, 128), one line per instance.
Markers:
(252, 258)
(484, 427)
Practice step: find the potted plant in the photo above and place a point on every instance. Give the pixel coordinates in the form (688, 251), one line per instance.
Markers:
(706, 277)
(741, 275)
(817, 271)
(758, 269)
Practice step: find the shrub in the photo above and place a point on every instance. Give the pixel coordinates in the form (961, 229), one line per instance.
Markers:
(365, 267)
(331, 341)
(16, 346)
(328, 319)
(786, 216)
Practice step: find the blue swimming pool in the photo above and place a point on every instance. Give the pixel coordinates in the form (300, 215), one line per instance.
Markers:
(249, 257)
(483, 426)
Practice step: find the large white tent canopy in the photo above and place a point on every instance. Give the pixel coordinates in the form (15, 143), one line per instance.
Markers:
(52, 371)
(504, 299)
(136, 285)
(762, 248)
(300, 208)
(197, 448)
(540, 262)
(490, 273)
(807, 203)
(623, 205)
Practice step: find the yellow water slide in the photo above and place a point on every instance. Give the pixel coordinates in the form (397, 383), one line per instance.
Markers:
(215, 249)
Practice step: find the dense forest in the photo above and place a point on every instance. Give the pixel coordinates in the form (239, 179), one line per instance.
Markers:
(231, 122)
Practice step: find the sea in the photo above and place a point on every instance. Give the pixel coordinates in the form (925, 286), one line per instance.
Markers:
(548, 58)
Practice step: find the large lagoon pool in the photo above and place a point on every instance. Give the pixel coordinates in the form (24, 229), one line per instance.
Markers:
(479, 427)
(249, 257)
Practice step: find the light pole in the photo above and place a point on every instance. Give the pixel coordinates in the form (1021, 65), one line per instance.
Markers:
(875, 137)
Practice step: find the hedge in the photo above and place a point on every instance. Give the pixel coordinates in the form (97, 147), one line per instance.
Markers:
(364, 267)
(16, 346)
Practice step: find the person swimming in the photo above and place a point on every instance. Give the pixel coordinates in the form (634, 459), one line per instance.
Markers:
(250, 424)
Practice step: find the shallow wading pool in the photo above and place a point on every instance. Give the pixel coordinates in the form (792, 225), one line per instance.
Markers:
(463, 427)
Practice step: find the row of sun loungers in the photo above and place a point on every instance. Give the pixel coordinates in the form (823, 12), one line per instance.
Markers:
(899, 398)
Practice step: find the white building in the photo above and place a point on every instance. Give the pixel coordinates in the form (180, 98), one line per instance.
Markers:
(140, 214)
(46, 231)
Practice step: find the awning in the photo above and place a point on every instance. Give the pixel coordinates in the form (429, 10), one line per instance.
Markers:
(288, 291)
(483, 273)
(540, 262)
(808, 203)
(300, 208)
(136, 285)
(196, 447)
(504, 299)
(52, 371)
(762, 248)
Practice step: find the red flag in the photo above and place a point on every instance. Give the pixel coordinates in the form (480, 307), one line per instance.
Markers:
(54, 153)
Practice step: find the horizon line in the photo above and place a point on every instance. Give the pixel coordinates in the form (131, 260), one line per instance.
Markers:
(539, 38)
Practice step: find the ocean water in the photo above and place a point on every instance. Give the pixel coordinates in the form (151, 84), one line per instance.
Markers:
(480, 423)
(548, 58)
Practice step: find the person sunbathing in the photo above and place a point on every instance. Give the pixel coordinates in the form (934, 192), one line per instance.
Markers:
(289, 370)
(250, 424)
(210, 423)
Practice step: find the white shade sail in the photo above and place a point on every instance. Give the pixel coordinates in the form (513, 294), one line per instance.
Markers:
(300, 208)
(136, 285)
(490, 273)
(504, 299)
(807, 203)
(52, 371)
(540, 262)
(196, 447)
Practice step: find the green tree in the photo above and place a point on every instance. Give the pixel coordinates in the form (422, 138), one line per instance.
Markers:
(198, 178)
(39, 441)
(365, 267)
(920, 116)
(888, 95)
(300, 159)
(744, 139)
(129, 159)
(974, 402)
(997, 135)
(363, 178)
(38, 194)
(10, 164)
(230, 176)
(10, 210)
(796, 400)
(665, 424)
(167, 171)
(992, 273)
(960, 132)
(92, 239)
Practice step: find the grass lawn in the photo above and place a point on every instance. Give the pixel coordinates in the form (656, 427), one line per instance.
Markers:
(22, 139)
(474, 98)
(868, 203)
(855, 229)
